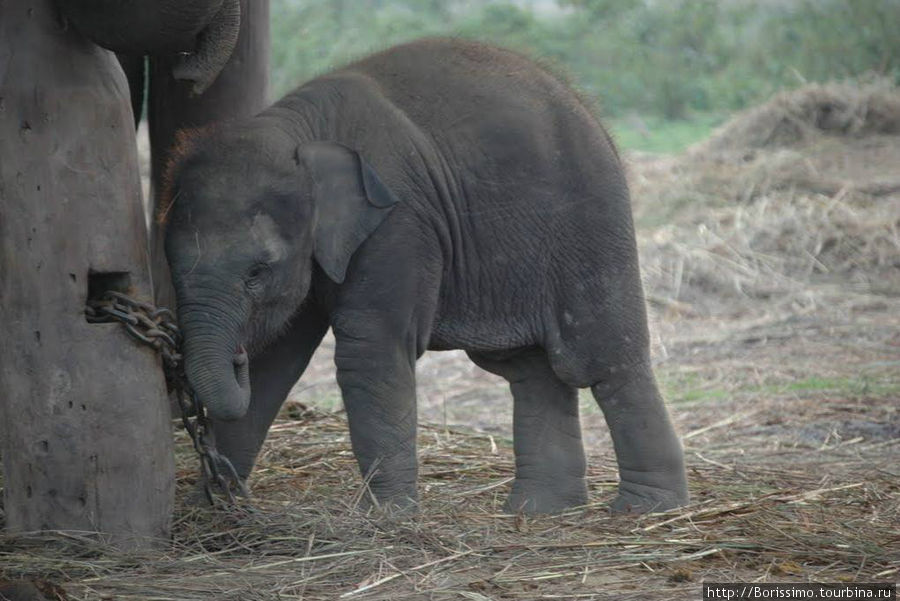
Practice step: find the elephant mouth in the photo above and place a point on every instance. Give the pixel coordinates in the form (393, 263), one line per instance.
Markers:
(240, 357)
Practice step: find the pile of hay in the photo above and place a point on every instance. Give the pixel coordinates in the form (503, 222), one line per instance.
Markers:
(783, 252)
(847, 109)
(740, 219)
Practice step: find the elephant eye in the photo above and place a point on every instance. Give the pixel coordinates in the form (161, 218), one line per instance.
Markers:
(255, 275)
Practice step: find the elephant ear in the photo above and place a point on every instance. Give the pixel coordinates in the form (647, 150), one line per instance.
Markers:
(351, 201)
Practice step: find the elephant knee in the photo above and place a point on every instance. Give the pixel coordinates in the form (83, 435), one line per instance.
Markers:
(619, 381)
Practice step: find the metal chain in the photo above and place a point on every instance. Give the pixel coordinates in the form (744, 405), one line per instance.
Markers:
(156, 327)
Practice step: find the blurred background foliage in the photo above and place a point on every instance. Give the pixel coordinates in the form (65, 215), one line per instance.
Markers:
(662, 71)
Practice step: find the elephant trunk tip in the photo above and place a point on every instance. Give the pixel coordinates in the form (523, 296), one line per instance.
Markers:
(224, 392)
(214, 47)
(227, 413)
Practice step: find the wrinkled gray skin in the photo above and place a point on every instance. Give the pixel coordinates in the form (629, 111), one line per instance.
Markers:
(207, 30)
(438, 195)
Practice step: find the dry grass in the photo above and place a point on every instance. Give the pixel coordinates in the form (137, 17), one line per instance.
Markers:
(774, 251)
(847, 109)
(742, 222)
(762, 511)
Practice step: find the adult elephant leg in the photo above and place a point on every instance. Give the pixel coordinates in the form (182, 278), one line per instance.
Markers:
(376, 373)
(214, 47)
(239, 91)
(135, 68)
(550, 463)
(272, 374)
(648, 451)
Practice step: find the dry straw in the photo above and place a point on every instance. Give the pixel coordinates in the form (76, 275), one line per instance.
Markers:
(789, 205)
(846, 109)
(760, 512)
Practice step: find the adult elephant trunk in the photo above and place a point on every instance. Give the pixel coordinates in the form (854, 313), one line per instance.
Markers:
(205, 29)
(216, 363)
(214, 47)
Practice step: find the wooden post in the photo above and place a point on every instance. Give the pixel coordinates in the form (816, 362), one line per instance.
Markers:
(241, 90)
(84, 423)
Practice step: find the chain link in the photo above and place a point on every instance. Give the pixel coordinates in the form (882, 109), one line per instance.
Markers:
(156, 327)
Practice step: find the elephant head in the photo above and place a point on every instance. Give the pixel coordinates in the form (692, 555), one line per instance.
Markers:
(206, 30)
(250, 213)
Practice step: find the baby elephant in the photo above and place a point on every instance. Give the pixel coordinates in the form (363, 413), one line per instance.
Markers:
(442, 194)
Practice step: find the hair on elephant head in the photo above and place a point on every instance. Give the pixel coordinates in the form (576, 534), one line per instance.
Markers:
(206, 31)
(244, 228)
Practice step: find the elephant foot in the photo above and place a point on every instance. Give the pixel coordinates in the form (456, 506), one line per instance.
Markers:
(393, 504)
(636, 498)
(539, 497)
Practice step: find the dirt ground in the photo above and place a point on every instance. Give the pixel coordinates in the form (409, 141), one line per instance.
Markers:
(772, 273)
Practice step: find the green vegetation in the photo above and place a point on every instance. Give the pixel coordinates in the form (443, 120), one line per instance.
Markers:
(678, 61)
(692, 387)
(653, 133)
(853, 387)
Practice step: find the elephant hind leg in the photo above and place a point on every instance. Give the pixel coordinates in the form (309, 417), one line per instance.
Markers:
(648, 451)
(550, 463)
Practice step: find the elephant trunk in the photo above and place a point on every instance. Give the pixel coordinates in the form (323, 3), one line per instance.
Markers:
(156, 27)
(216, 362)
(215, 44)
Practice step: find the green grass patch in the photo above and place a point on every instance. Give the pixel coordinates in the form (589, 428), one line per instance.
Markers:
(692, 387)
(676, 387)
(655, 134)
(862, 386)
(689, 387)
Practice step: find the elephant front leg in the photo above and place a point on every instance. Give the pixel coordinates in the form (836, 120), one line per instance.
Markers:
(273, 372)
(376, 374)
(649, 454)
